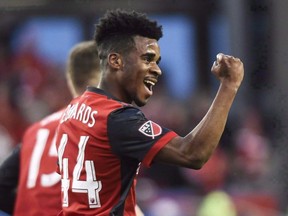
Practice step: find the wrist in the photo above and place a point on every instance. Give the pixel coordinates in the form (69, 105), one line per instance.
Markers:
(228, 86)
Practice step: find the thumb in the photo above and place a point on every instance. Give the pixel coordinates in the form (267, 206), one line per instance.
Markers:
(216, 66)
(219, 58)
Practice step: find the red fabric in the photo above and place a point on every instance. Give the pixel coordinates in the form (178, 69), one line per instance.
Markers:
(156, 148)
(110, 173)
(39, 194)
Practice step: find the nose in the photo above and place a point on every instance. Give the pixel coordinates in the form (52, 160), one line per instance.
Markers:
(156, 70)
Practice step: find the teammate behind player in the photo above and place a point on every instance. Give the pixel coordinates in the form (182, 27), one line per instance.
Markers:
(39, 191)
(102, 138)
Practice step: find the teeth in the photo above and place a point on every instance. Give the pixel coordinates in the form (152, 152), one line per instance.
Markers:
(150, 82)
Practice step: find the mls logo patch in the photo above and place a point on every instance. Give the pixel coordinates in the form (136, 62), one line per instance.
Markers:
(150, 129)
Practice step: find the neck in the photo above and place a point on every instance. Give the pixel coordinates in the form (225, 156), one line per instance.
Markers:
(113, 89)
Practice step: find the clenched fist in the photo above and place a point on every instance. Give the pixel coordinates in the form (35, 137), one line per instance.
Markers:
(229, 70)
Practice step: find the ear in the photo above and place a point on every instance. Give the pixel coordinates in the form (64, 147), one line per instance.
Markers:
(115, 60)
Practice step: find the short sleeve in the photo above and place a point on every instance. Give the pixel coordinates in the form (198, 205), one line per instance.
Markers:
(132, 135)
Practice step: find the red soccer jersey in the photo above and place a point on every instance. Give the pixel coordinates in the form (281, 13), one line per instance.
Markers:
(39, 191)
(101, 143)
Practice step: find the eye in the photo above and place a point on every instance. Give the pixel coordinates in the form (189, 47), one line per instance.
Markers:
(147, 59)
(158, 61)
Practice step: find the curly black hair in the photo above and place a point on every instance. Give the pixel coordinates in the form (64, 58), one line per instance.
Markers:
(116, 29)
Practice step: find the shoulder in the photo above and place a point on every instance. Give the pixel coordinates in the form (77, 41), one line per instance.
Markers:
(54, 117)
(50, 121)
(127, 112)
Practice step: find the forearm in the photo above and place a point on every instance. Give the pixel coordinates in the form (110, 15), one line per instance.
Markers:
(200, 143)
(193, 150)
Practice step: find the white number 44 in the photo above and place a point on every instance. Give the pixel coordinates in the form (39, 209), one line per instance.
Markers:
(90, 186)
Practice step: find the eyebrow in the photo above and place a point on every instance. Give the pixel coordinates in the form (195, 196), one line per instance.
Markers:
(152, 55)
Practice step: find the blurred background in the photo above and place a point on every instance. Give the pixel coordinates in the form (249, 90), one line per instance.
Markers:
(248, 174)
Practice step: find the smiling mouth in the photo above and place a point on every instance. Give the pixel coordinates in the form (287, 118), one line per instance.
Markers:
(149, 84)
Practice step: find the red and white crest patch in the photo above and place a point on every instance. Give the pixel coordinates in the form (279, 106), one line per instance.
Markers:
(150, 129)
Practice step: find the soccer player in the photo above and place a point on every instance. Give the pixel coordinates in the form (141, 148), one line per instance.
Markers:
(35, 162)
(103, 137)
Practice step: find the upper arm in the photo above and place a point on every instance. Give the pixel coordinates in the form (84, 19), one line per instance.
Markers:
(174, 153)
(170, 153)
(9, 173)
(132, 135)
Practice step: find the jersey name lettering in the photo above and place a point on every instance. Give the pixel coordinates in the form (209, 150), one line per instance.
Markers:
(80, 112)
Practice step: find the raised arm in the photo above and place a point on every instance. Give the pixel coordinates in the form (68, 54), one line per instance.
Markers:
(194, 150)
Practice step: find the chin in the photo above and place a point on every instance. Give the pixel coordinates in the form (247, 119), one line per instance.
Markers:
(141, 103)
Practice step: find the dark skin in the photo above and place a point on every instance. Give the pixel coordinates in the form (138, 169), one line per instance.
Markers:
(130, 77)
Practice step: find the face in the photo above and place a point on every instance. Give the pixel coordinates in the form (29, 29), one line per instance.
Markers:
(140, 71)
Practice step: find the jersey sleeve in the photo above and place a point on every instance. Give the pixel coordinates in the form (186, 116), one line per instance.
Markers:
(132, 135)
(9, 174)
